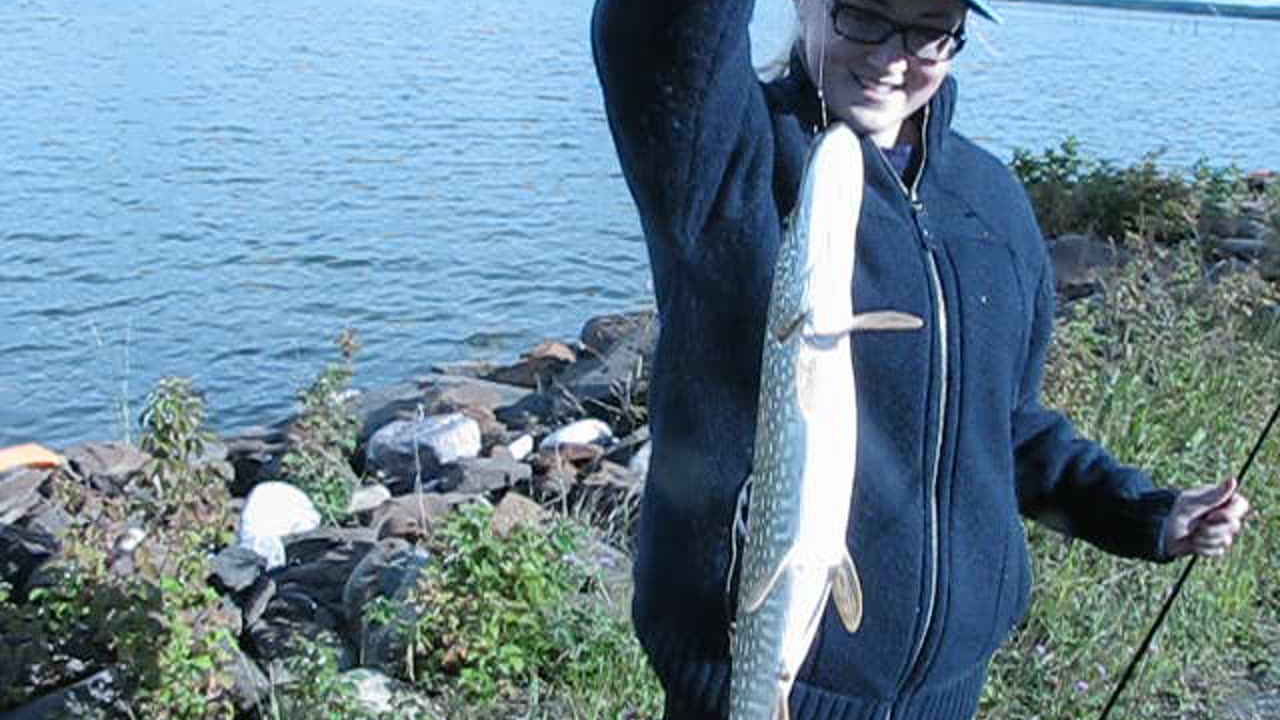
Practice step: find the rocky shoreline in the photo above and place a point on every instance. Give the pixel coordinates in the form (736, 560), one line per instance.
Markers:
(564, 426)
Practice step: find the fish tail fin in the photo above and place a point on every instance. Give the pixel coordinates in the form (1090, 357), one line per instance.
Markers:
(846, 591)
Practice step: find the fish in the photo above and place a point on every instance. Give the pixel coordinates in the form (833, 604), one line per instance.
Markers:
(799, 493)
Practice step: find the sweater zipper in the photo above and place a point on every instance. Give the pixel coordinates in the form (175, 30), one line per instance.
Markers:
(935, 282)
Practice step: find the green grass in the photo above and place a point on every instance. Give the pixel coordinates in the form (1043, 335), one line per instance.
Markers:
(1176, 379)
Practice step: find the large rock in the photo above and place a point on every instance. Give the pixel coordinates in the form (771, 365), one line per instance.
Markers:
(386, 634)
(597, 380)
(1079, 263)
(96, 696)
(20, 493)
(290, 616)
(413, 451)
(517, 511)
(249, 685)
(374, 692)
(583, 432)
(255, 455)
(433, 394)
(1245, 248)
(412, 517)
(22, 552)
(108, 467)
(273, 511)
(445, 393)
(601, 333)
(537, 366)
(236, 568)
(321, 561)
(367, 498)
(534, 411)
(476, 476)
(390, 570)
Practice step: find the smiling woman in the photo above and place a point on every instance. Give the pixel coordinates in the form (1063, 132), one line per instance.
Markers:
(953, 444)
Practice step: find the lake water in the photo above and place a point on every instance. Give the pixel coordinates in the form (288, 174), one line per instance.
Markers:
(216, 189)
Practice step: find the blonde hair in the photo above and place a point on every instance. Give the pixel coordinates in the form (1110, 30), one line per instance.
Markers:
(779, 65)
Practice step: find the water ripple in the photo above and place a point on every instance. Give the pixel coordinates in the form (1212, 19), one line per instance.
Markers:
(236, 183)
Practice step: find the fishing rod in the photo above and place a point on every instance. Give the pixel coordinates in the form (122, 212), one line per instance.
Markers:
(1182, 579)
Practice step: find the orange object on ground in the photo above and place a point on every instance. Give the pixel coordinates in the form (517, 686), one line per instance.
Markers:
(29, 454)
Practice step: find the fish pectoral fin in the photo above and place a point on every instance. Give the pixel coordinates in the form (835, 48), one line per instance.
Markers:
(876, 320)
(846, 592)
(885, 320)
(753, 596)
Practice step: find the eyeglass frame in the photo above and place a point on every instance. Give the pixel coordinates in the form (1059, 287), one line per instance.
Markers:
(957, 36)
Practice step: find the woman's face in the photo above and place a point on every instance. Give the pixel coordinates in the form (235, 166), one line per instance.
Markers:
(875, 87)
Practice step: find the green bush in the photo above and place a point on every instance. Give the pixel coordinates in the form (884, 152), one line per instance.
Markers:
(158, 623)
(503, 619)
(324, 436)
(1074, 192)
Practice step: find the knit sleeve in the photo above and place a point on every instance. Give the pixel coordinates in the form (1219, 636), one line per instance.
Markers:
(686, 111)
(1070, 482)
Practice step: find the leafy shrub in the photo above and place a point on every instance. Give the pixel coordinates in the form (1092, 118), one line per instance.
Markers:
(318, 691)
(324, 436)
(501, 617)
(158, 621)
(1073, 192)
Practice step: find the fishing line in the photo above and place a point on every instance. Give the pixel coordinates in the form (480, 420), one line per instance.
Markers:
(822, 66)
(1182, 579)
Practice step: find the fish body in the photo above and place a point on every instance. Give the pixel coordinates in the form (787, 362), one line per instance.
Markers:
(794, 556)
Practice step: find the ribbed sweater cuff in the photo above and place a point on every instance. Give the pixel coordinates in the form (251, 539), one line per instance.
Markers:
(703, 684)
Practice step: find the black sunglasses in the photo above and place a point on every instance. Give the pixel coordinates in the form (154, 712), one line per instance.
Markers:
(868, 27)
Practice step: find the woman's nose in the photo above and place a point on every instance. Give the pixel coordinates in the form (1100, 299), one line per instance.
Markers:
(891, 53)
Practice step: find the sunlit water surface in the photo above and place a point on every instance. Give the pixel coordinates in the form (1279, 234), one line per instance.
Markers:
(216, 189)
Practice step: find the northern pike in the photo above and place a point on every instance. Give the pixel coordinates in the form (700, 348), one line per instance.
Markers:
(800, 491)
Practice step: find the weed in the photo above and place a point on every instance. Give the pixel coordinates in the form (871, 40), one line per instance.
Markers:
(1073, 192)
(503, 619)
(324, 436)
(1172, 375)
(317, 690)
(159, 621)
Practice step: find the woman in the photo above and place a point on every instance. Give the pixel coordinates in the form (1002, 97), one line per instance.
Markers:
(954, 442)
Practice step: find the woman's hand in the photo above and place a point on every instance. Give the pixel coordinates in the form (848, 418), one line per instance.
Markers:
(1205, 520)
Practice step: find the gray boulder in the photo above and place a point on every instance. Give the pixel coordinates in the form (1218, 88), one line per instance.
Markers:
(20, 493)
(413, 451)
(476, 476)
(108, 467)
(601, 333)
(236, 568)
(96, 696)
(1079, 263)
(22, 552)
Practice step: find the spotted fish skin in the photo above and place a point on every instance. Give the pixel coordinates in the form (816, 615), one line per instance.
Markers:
(794, 556)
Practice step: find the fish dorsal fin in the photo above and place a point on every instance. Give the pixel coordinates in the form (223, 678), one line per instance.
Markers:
(846, 591)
